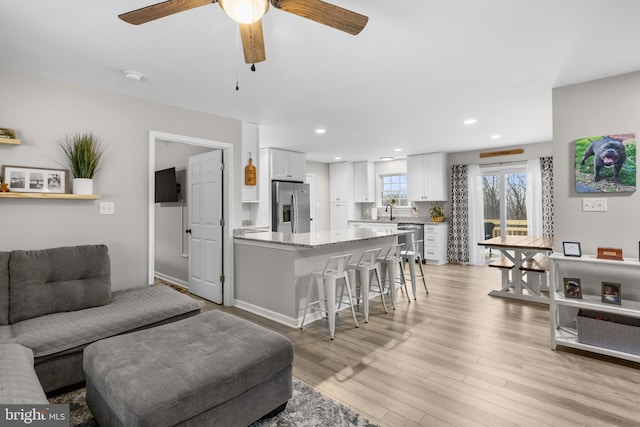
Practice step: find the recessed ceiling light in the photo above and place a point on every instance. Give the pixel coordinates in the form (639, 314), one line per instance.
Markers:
(337, 158)
(386, 158)
(132, 75)
(469, 122)
(496, 136)
(397, 150)
(320, 131)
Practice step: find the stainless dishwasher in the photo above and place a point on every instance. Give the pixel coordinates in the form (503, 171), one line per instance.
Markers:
(418, 234)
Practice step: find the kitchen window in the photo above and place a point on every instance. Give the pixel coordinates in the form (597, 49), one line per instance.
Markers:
(395, 187)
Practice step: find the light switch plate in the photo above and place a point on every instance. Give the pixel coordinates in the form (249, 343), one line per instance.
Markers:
(107, 208)
(594, 204)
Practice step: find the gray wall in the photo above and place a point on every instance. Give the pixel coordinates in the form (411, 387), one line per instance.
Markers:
(42, 112)
(594, 108)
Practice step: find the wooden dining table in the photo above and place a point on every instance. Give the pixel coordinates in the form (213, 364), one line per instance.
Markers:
(525, 257)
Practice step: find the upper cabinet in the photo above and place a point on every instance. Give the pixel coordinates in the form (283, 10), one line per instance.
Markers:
(341, 182)
(364, 183)
(287, 165)
(427, 177)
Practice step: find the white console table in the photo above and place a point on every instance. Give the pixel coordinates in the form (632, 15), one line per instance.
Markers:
(592, 272)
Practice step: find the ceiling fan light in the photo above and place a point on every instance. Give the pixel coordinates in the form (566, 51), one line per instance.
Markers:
(245, 11)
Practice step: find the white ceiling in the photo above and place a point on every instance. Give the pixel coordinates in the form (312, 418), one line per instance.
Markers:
(418, 69)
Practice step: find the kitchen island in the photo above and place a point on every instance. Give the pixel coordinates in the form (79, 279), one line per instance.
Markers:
(272, 270)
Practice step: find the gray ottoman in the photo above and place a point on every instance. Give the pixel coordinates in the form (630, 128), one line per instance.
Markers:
(213, 369)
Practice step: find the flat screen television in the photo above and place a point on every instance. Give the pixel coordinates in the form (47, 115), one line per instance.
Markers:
(167, 189)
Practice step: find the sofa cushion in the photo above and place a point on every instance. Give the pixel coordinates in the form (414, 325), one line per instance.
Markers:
(56, 280)
(18, 381)
(4, 287)
(5, 334)
(138, 308)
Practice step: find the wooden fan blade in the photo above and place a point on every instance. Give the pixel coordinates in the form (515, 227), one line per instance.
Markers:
(253, 42)
(160, 10)
(324, 13)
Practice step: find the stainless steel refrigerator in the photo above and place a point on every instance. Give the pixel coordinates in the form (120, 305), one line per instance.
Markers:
(290, 207)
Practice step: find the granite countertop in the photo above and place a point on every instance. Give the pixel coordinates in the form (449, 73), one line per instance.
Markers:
(401, 220)
(320, 239)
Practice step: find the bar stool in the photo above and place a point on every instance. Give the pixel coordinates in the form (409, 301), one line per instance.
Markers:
(365, 267)
(388, 264)
(413, 253)
(334, 269)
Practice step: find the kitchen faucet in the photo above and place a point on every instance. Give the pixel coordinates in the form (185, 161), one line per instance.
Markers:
(389, 206)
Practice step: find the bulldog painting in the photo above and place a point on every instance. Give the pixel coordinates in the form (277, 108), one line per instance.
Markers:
(606, 163)
(607, 152)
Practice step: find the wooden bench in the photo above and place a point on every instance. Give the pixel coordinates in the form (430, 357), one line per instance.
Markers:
(536, 269)
(505, 265)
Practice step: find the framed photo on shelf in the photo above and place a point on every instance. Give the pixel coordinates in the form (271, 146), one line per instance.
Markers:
(572, 288)
(571, 249)
(25, 179)
(611, 293)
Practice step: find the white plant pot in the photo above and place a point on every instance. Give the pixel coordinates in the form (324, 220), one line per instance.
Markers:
(82, 186)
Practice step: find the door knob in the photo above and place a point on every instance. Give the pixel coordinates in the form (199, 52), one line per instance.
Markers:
(188, 231)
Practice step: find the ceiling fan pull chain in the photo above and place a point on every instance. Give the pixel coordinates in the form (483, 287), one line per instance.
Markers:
(237, 57)
(253, 67)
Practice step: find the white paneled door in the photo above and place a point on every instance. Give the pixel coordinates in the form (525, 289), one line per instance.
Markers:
(204, 201)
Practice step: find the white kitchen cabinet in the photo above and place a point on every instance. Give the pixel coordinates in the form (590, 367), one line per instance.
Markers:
(427, 177)
(435, 243)
(287, 165)
(569, 329)
(341, 182)
(364, 183)
(338, 216)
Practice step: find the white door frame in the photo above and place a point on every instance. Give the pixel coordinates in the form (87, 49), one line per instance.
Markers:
(227, 210)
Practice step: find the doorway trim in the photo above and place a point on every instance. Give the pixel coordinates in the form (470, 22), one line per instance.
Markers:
(227, 209)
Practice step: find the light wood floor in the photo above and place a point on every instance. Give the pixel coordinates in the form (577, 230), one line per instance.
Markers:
(460, 357)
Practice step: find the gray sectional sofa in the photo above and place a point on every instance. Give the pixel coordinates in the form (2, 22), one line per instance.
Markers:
(55, 302)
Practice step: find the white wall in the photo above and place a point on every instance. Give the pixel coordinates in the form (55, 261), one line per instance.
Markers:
(42, 112)
(599, 107)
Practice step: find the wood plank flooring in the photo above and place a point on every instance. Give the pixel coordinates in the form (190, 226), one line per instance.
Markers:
(460, 357)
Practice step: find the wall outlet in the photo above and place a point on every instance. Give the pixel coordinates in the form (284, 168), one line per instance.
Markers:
(107, 208)
(594, 205)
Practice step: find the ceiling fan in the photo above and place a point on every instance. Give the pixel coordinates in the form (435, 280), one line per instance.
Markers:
(248, 14)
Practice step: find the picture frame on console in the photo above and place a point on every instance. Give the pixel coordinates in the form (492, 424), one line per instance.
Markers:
(26, 179)
(611, 293)
(572, 288)
(571, 249)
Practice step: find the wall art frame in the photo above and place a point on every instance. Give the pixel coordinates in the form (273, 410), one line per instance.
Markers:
(28, 179)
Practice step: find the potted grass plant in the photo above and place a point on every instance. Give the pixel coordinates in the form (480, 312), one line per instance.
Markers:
(437, 212)
(84, 152)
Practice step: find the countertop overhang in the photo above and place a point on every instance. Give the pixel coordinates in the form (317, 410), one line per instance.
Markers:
(319, 239)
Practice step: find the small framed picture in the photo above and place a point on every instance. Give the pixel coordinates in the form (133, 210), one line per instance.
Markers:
(611, 293)
(572, 288)
(571, 249)
(25, 179)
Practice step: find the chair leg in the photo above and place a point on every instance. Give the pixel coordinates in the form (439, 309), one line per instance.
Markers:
(403, 281)
(306, 307)
(353, 312)
(424, 280)
(381, 289)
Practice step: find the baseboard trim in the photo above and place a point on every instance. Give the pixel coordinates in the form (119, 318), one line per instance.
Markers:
(171, 279)
(276, 317)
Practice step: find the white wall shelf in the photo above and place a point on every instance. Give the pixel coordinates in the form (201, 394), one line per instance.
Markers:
(14, 195)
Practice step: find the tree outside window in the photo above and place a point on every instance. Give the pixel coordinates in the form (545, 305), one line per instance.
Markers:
(395, 187)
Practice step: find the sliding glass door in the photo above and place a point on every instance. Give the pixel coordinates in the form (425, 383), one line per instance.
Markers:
(504, 192)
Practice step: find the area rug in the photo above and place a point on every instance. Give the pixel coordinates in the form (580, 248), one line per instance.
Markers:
(306, 408)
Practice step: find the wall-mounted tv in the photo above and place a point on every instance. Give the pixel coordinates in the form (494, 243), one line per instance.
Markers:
(167, 188)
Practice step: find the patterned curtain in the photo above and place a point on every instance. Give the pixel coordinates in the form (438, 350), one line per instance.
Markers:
(546, 167)
(458, 246)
